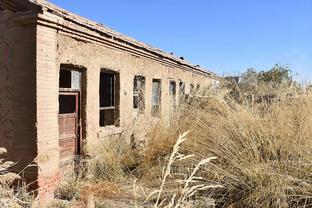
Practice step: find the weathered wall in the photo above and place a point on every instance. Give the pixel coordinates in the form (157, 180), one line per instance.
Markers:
(47, 110)
(32, 48)
(61, 41)
(17, 89)
(95, 57)
(56, 45)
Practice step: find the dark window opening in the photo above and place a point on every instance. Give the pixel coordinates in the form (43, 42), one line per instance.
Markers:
(109, 98)
(181, 90)
(136, 101)
(138, 93)
(156, 97)
(197, 88)
(72, 113)
(65, 79)
(70, 79)
(67, 104)
(192, 90)
(107, 90)
(107, 117)
(172, 93)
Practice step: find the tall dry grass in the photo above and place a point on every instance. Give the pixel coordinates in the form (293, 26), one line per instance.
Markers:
(264, 152)
(189, 186)
(10, 197)
(263, 155)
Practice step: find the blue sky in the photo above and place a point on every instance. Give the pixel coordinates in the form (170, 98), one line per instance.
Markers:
(224, 36)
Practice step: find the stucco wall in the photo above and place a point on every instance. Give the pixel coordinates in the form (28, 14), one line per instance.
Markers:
(47, 111)
(64, 42)
(33, 46)
(95, 57)
(55, 47)
(17, 89)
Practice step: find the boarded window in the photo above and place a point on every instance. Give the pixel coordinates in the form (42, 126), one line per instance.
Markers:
(139, 93)
(172, 93)
(156, 97)
(109, 97)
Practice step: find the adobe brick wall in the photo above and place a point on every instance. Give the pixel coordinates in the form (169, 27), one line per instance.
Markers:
(17, 89)
(69, 43)
(47, 110)
(32, 50)
(95, 57)
(56, 46)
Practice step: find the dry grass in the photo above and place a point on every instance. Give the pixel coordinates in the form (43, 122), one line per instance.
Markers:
(112, 160)
(237, 154)
(104, 176)
(264, 152)
(9, 197)
(190, 185)
(263, 156)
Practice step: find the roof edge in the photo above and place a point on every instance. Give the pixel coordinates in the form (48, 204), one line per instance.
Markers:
(100, 28)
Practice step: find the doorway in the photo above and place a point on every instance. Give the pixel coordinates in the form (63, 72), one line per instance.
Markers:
(69, 116)
(68, 120)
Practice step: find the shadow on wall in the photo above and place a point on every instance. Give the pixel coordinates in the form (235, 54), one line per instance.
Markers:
(22, 151)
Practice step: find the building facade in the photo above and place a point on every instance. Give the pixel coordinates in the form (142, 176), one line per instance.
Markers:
(65, 80)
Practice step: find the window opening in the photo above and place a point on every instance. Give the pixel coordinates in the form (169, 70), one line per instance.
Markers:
(172, 93)
(156, 97)
(109, 92)
(139, 93)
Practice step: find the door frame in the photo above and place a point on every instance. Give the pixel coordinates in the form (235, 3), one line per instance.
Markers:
(78, 126)
(82, 102)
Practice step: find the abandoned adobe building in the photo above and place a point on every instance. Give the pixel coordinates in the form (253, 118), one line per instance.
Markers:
(65, 80)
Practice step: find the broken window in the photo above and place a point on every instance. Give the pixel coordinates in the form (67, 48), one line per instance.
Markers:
(181, 90)
(67, 104)
(70, 79)
(197, 88)
(215, 84)
(172, 93)
(65, 78)
(192, 90)
(138, 93)
(71, 124)
(109, 97)
(156, 97)
(76, 80)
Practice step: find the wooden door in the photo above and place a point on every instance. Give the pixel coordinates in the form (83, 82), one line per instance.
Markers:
(68, 120)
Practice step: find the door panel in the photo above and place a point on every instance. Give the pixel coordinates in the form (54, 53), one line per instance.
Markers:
(68, 124)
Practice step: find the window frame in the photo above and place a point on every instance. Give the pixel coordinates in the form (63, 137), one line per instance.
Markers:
(156, 109)
(192, 89)
(181, 90)
(139, 93)
(172, 92)
(115, 99)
